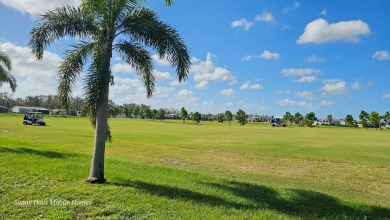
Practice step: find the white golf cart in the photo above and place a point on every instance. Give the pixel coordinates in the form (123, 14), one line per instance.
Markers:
(34, 118)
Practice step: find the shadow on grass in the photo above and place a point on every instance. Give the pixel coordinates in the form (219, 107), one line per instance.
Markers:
(22, 150)
(299, 203)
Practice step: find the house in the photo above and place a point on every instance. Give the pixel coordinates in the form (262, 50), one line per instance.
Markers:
(4, 109)
(24, 110)
(63, 112)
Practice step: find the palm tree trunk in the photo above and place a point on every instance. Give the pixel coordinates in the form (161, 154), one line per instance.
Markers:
(96, 174)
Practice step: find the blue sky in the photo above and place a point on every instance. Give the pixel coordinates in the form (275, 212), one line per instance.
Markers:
(265, 57)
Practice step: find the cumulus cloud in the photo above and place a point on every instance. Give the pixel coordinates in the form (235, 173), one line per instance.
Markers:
(381, 55)
(227, 92)
(247, 85)
(283, 91)
(36, 7)
(161, 62)
(122, 68)
(356, 85)
(304, 75)
(288, 102)
(265, 17)
(204, 71)
(305, 94)
(320, 31)
(33, 77)
(292, 7)
(184, 94)
(386, 96)
(242, 23)
(315, 59)
(334, 86)
(161, 76)
(323, 12)
(326, 103)
(267, 55)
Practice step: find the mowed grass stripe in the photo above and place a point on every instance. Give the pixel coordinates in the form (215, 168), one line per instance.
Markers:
(174, 170)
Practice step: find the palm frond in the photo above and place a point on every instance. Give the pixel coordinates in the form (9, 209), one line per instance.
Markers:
(5, 77)
(143, 25)
(70, 70)
(5, 60)
(58, 23)
(140, 59)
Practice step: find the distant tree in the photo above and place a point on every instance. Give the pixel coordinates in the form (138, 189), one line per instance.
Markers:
(113, 110)
(183, 114)
(135, 111)
(386, 117)
(288, 118)
(310, 118)
(375, 119)
(221, 117)
(363, 116)
(160, 114)
(154, 114)
(196, 117)
(147, 112)
(241, 117)
(298, 118)
(349, 120)
(229, 116)
(330, 118)
(5, 68)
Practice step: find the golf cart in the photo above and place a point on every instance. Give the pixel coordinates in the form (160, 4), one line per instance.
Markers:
(34, 118)
(277, 122)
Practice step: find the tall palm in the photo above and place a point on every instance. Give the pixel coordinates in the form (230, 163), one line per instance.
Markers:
(104, 26)
(5, 68)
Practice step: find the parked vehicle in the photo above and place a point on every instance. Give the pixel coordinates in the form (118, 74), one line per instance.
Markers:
(277, 122)
(34, 118)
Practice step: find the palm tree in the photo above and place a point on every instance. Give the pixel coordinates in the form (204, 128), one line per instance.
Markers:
(104, 26)
(5, 68)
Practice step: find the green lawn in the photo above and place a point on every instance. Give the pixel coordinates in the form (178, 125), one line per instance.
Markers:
(170, 170)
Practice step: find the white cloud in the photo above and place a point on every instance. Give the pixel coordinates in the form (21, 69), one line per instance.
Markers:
(242, 23)
(122, 68)
(303, 75)
(320, 31)
(36, 7)
(334, 86)
(381, 55)
(227, 92)
(256, 86)
(305, 94)
(386, 96)
(33, 77)
(244, 86)
(288, 102)
(356, 85)
(265, 17)
(326, 103)
(176, 83)
(292, 7)
(269, 56)
(204, 71)
(283, 91)
(323, 12)
(202, 84)
(306, 79)
(184, 94)
(161, 76)
(315, 59)
(299, 72)
(161, 62)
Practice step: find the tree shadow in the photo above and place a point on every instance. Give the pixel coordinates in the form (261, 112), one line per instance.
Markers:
(48, 154)
(298, 203)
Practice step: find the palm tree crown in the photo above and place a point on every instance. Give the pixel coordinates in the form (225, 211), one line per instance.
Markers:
(104, 26)
(5, 68)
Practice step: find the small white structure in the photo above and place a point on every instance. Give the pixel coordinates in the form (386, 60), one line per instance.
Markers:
(24, 110)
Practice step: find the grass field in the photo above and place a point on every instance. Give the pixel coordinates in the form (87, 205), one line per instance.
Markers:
(170, 170)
